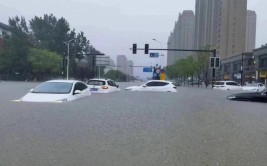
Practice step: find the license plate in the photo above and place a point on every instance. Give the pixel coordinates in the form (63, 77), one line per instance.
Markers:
(94, 89)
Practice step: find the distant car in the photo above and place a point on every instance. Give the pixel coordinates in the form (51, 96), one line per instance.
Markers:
(227, 85)
(252, 96)
(57, 91)
(102, 86)
(258, 87)
(154, 85)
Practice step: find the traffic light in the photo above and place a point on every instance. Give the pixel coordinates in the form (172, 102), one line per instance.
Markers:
(146, 48)
(211, 62)
(64, 62)
(217, 62)
(134, 48)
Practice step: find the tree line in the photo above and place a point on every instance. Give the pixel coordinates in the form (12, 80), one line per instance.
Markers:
(192, 70)
(36, 51)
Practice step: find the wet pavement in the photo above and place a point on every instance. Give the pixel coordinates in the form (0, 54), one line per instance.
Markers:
(195, 126)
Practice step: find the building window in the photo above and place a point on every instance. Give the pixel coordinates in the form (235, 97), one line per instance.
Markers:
(263, 63)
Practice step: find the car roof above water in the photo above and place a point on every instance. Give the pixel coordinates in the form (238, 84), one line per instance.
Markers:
(65, 81)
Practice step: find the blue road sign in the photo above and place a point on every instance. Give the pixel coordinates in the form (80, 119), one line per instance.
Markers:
(154, 55)
(147, 69)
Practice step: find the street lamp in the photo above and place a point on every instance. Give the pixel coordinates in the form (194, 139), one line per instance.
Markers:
(68, 56)
(159, 43)
(161, 47)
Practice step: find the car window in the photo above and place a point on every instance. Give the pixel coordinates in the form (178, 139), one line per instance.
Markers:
(111, 83)
(96, 82)
(232, 83)
(79, 86)
(53, 87)
(219, 83)
(151, 84)
(161, 83)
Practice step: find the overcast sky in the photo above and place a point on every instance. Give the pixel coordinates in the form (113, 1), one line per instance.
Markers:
(112, 26)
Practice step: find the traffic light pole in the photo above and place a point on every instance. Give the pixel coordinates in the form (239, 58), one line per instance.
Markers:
(213, 70)
(94, 61)
(193, 50)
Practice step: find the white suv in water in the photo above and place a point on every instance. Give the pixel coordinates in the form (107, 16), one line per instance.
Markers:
(102, 85)
(154, 85)
(227, 85)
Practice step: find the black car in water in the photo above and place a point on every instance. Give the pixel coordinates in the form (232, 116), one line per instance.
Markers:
(253, 96)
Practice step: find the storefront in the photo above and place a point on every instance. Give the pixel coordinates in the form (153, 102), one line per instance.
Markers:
(261, 64)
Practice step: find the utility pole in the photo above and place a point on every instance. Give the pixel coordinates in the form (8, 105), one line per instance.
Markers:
(68, 56)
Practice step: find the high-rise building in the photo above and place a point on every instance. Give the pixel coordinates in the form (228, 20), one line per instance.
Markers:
(221, 24)
(231, 36)
(182, 36)
(122, 63)
(130, 68)
(111, 65)
(251, 30)
(205, 23)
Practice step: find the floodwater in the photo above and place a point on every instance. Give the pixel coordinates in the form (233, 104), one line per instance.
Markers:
(195, 126)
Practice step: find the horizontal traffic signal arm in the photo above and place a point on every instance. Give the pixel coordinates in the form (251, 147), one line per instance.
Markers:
(159, 49)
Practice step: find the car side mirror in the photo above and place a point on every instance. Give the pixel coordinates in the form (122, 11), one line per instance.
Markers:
(144, 86)
(117, 86)
(31, 90)
(76, 92)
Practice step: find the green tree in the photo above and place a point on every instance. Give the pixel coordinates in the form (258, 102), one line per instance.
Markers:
(44, 63)
(115, 75)
(50, 32)
(183, 69)
(13, 59)
(203, 64)
(45, 33)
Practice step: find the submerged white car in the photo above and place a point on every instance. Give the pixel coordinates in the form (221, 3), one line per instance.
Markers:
(154, 85)
(57, 91)
(256, 87)
(102, 85)
(227, 85)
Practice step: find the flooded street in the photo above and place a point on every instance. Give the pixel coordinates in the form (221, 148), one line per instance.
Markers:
(195, 126)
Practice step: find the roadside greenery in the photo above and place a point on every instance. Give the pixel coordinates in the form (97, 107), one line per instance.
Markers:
(37, 51)
(192, 70)
(116, 75)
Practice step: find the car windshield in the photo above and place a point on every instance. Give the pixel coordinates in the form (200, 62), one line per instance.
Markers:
(54, 88)
(219, 83)
(96, 82)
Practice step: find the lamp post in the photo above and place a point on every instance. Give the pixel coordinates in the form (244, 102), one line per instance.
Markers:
(160, 43)
(68, 56)
(242, 64)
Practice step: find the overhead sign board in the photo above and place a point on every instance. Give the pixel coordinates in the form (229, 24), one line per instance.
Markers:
(154, 55)
(102, 60)
(147, 69)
